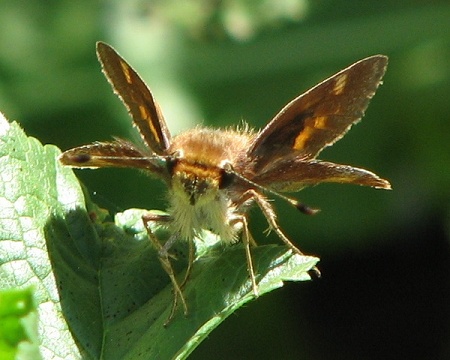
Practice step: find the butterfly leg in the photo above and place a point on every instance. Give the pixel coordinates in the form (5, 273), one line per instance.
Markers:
(271, 218)
(190, 262)
(247, 240)
(164, 258)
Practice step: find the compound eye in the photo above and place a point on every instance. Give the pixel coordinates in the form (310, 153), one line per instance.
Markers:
(171, 162)
(226, 179)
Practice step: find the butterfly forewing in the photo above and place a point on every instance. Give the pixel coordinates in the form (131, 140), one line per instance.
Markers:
(119, 153)
(137, 97)
(320, 116)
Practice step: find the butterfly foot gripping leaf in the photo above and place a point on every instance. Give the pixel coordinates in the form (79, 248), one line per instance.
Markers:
(213, 176)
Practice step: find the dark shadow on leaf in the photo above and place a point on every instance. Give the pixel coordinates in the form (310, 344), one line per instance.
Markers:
(103, 275)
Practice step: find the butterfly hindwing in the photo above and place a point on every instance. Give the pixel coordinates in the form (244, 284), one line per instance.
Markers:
(295, 174)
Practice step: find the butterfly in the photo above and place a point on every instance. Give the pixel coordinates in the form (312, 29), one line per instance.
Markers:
(215, 175)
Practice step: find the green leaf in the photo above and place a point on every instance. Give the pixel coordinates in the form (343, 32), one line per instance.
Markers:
(18, 333)
(99, 287)
(34, 191)
(219, 284)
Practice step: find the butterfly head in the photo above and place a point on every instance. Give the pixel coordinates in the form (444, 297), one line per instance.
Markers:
(193, 181)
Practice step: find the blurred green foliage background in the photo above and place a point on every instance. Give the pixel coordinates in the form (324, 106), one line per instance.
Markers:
(385, 291)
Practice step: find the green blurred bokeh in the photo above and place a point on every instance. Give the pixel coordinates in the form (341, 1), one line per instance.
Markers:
(385, 254)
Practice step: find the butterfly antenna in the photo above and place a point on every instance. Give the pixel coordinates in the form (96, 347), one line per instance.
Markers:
(303, 208)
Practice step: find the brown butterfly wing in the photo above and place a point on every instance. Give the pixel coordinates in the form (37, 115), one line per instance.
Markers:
(295, 174)
(119, 153)
(320, 116)
(137, 98)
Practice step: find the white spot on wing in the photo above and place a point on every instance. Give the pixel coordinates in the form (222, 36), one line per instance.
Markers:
(339, 84)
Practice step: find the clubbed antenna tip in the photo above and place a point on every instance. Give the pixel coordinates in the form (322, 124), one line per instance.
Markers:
(305, 209)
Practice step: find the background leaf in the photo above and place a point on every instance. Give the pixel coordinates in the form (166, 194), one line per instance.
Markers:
(18, 333)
